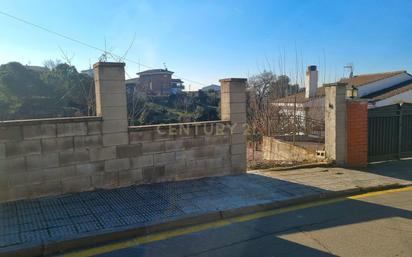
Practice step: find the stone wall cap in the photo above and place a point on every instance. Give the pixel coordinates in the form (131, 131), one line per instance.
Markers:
(109, 64)
(190, 124)
(335, 84)
(362, 100)
(49, 121)
(233, 80)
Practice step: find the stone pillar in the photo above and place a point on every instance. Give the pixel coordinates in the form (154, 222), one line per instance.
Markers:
(233, 109)
(111, 102)
(357, 132)
(335, 122)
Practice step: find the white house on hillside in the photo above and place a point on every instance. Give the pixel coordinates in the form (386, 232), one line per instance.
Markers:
(380, 89)
(213, 87)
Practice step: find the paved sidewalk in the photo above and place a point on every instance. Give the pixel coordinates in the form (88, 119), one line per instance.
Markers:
(340, 179)
(53, 219)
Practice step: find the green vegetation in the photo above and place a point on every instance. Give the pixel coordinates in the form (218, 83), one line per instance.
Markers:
(59, 90)
(180, 107)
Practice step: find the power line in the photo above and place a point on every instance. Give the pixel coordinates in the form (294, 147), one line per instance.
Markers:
(88, 45)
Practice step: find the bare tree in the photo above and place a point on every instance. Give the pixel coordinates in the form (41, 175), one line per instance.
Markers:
(51, 64)
(65, 56)
(263, 90)
(136, 105)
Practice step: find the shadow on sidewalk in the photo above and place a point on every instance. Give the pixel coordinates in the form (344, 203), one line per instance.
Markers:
(401, 169)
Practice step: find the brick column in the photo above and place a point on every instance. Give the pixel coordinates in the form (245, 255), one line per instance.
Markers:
(335, 122)
(357, 132)
(111, 102)
(233, 109)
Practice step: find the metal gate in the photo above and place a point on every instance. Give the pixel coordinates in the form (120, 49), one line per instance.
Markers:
(390, 132)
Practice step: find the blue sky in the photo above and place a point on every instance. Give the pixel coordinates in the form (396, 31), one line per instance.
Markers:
(208, 40)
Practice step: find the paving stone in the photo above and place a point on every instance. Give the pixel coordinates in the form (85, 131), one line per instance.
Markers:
(87, 227)
(119, 206)
(96, 202)
(55, 213)
(58, 222)
(78, 212)
(83, 219)
(187, 196)
(127, 212)
(35, 236)
(79, 204)
(134, 219)
(89, 195)
(62, 231)
(9, 240)
(189, 208)
(49, 202)
(32, 226)
(110, 220)
(9, 229)
(101, 209)
(30, 218)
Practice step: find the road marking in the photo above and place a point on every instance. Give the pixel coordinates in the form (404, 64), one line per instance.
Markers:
(403, 189)
(218, 224)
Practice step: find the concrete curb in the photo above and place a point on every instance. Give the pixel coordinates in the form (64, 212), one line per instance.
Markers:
(108, 235)
(303, 166)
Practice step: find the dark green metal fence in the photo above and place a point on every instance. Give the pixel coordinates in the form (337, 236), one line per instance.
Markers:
(390, 132)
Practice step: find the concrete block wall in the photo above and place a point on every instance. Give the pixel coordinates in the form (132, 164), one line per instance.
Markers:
(65, 155)
(277, 150)
(335, 122)
(357, 132)
(179, 151)
(48, 156)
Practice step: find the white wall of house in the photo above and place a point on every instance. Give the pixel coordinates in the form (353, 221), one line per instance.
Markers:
(405, 97)
(291, 105)
(290, 109)
(382, 84)
(316, 108)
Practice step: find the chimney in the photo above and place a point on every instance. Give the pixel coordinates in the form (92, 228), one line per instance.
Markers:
(311, 81)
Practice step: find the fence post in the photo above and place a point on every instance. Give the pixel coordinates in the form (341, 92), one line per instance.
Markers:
(400, 132)
(233, 109)
(111, 102)
(335, 122)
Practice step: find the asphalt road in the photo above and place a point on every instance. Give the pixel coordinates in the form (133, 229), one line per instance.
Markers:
(370, 225)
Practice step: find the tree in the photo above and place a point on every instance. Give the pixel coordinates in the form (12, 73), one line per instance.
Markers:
(202, 98)
(19, 89)
(136, 104)
(51, 64)
(263, 90)
(260, 87)
(155, 114)
(205, 113)
(58, 91)
(72, 88)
